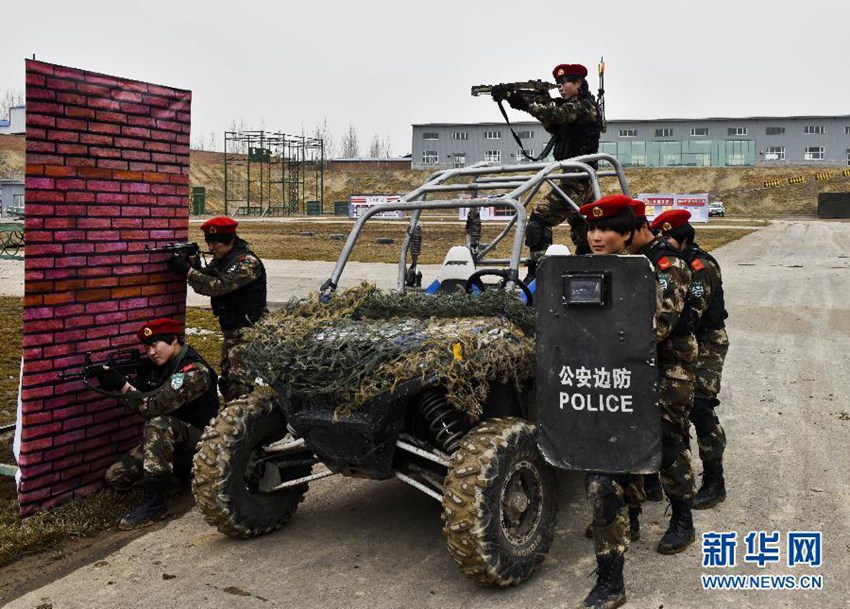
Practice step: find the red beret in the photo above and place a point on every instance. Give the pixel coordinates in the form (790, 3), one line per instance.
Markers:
(605, 207)
(159, 327)
(220, 225)
(639, 207)
(670, 219)
(569, 69)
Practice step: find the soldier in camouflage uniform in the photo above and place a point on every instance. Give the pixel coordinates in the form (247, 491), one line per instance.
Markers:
(677, 357)
(575, 121)
(610, 229)
(176, 395)
(712, 343)
(236, 282)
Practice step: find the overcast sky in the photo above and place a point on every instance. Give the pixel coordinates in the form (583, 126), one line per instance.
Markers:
(384, 65)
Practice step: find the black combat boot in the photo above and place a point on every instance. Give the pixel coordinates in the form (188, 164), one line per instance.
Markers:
(153, 505)
(609, 591)
(652, 487)
(634, 523)
(713, 488)
(680, 534)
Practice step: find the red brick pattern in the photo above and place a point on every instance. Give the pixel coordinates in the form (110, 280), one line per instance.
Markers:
(107, 174)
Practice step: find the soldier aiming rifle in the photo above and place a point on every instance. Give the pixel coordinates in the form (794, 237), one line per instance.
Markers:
(575, 122)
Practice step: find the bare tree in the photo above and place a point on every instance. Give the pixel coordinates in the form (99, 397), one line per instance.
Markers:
(322, 132)
(387, 151)
(239, 146)
(376, 148)
(350, 145)
(205, 141)
(10, 99)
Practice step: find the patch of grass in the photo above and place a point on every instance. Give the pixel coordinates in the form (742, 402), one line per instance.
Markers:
(49, 529)
(710, 239)
(208, 341)
(11, 330)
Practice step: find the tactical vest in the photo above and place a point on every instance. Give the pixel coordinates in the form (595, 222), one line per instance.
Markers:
(576, 139)
(199, 411)
(244, 306)
(712, 318)
(687, 320)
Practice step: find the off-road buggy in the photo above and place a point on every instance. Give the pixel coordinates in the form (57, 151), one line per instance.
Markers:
(438, 391)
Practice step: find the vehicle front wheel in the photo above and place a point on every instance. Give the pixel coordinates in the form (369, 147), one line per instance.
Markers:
(231, 465)
(499, 503)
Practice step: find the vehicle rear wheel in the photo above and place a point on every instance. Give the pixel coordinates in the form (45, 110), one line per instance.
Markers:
(499, 503)
(231, 462)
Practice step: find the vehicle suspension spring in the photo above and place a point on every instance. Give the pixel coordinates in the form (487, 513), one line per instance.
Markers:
(444, 421)
(416, 242)
(473, 228)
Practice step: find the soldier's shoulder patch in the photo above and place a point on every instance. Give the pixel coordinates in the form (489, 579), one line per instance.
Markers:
(664, 263)
(698, 289)
(663, 281)
(188, 367)
(697, 264)
(177, 380)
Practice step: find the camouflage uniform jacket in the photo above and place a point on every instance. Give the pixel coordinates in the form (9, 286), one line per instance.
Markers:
(558, 112)
(706, 290)
(237, 285)
(226, 275)
(183, 383)
(676, 342)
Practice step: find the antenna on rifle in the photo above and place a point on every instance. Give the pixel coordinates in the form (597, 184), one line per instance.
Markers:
(600, 97)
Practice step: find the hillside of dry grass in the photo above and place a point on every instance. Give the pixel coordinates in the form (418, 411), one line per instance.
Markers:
(741, 188)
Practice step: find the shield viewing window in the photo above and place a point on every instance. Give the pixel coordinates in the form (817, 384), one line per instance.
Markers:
(586, 289)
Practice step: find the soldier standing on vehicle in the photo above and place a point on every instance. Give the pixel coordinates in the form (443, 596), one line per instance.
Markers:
(677, 356)
(235, 280)
(177, 398)
(575, 121)
(610, 229)
(712, 343)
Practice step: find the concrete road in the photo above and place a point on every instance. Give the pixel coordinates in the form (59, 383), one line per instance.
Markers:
(363, 544)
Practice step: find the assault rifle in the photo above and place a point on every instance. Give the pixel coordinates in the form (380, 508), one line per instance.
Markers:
(504, 90)
(188, 250)
(125, 361)
(530, 89)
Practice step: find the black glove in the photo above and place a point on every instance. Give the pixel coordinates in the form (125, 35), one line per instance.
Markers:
(517, 101)
(499, 92)
(195, 261)
(178, 264)
(110, 379)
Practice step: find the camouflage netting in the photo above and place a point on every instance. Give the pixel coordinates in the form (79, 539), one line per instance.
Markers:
(364, 342)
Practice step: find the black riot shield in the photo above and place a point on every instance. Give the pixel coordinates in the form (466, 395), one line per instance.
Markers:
(596, 364)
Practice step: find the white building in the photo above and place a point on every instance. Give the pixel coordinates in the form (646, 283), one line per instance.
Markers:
(17, 122)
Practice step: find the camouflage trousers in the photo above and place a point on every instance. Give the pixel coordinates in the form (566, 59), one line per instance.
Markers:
(711, 439)
(675, 396)
(155, 456)
(235, 380)
(554, 210)
(607, 496)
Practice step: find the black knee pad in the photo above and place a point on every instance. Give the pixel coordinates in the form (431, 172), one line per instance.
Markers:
(606, 501)
(538, 233)
(703, 417)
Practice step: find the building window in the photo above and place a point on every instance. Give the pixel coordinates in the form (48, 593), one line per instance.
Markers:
(737, 131)
(699, 131)
(813, 130)
(525, 135)
(460, 135)
(493, 156)
(492, 135)
(519, 156)
(663, 133)
(848, 157)
(847, 130)
(774, 131)
(628, 132)
(459, 160)
(813, 153)
(429, 157)
(774, 153)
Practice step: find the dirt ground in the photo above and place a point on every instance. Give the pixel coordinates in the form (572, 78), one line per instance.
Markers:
(360, 543)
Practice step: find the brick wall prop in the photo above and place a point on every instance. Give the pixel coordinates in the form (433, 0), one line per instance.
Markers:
(107, 174)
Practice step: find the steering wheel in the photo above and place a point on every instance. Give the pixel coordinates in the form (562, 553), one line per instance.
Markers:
(475, 281)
